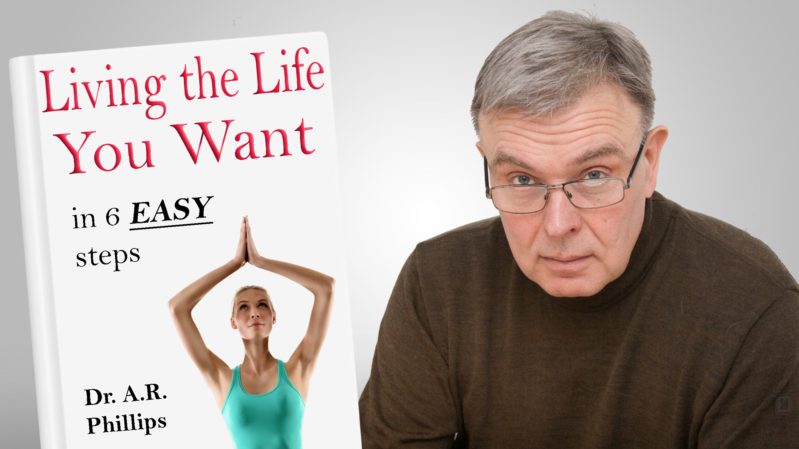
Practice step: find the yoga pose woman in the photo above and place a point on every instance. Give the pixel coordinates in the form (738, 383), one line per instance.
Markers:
(263, 398)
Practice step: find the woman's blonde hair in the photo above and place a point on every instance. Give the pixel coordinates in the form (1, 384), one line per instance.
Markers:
(250, 287)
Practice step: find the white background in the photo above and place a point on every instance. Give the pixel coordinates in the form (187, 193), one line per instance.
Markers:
(724, 72)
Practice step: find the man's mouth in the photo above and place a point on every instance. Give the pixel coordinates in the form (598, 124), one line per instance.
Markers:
(565, 259)
(566, 264)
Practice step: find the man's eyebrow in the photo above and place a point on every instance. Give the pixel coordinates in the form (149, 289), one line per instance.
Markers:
(596, 153)
(503, 158)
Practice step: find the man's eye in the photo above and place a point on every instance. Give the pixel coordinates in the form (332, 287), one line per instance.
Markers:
(594, 174)
(243, 306)
(521, 180)
(263, 305)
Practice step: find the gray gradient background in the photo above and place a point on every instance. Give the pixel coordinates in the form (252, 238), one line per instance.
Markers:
(725, 74)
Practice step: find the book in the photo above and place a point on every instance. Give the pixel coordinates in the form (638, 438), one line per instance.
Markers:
(136, 167)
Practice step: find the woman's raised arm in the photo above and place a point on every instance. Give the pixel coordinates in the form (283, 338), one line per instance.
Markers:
(216, 372)
(302, 361)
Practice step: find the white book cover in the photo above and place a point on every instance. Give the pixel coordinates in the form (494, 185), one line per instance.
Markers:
(137, 166)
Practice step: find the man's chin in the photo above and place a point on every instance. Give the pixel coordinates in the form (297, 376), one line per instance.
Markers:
(572, 287)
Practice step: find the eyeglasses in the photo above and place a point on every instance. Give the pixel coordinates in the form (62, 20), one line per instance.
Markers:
(591, 193)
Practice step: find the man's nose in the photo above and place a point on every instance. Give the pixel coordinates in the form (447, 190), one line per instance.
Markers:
(560, 215)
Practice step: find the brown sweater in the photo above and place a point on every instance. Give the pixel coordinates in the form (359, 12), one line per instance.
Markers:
(696, 345)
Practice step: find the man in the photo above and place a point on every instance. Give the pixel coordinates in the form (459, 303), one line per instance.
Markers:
(594, 312)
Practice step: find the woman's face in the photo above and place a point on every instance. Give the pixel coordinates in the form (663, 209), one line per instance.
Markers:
(253, 314)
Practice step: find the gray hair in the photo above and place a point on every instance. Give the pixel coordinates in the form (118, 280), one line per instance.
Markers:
(547, 65)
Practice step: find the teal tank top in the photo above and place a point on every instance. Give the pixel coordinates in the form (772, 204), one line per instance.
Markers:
(272, 420)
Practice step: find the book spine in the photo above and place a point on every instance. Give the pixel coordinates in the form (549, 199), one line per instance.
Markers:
(37, 253)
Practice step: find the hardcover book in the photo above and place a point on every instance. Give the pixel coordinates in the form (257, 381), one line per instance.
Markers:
(137, 168)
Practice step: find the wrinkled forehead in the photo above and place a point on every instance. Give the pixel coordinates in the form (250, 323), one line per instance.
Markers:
(602, 128)
(605, 108)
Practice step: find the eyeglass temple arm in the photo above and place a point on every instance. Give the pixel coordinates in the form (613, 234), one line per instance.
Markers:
(637, 157)
(485, 177)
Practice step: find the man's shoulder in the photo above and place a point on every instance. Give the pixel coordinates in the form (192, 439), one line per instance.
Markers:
(709, 244)
(481, 229)
(721, 289)
(479, 238)
(475, 247)
(720, 275)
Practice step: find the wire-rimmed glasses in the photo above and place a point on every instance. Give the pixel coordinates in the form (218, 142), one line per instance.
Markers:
(581, 193)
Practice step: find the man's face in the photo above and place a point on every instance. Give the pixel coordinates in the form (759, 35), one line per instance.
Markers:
(567, 251)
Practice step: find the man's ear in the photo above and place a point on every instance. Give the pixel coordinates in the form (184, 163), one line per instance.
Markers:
(479, 148)
(654, 145)
(233, 323)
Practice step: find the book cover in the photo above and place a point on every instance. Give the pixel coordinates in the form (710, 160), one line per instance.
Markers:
(137, 167)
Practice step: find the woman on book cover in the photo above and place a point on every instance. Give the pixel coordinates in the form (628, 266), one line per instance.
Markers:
(263, 399)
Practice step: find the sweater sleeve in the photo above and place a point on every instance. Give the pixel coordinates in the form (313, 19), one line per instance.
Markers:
(407, 402)
(758, 405)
